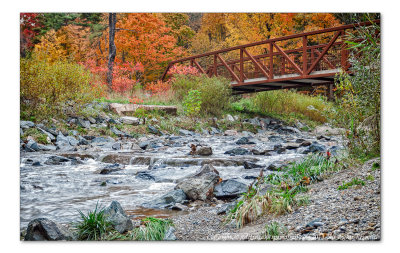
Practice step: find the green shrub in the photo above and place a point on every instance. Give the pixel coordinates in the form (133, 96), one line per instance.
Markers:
(192, 103)
(93, 225)
(291, 103)
(46, 87)
(36, 134)
(215, 92)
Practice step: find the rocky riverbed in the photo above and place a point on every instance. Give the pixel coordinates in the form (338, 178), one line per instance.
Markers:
(159, 174)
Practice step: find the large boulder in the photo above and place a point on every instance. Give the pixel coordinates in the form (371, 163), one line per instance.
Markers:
(229, 188)
(43, 229)
(26, 124)
(118, 218)
(200, 186)
(56, 160)
(167, 200)
(244, 141)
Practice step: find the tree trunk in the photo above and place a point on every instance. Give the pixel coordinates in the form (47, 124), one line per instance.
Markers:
(112, 50)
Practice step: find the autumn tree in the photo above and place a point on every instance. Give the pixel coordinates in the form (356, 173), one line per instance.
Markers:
(29, 29)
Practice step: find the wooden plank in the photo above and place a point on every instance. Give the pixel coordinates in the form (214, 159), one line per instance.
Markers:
(324, 59)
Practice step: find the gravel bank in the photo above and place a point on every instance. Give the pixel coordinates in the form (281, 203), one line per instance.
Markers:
(350, 214)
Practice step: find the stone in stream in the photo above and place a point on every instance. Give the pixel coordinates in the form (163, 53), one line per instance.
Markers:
(261, 149)
(229, 188)
(244, 141)
(214, 131)
(168, 200)
(56, 160)
(249, 165)
(111, 168)
(203, 151)
(145, 176)
(118, 218)
(119, 133)
(315, 148)
(43, 229)
(230, 133)
(102, 139)
(237, 151)
(116, 146)
(292, 145)
(200, 186)
(275, 167)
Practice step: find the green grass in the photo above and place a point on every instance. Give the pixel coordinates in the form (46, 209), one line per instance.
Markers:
(274, 230)
(152, 229)
(370, 178)
(354, 181)
(286, 193)
(93, 225)
(36, 134)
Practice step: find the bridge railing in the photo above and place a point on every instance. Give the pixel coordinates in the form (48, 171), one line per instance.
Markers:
(313, 54)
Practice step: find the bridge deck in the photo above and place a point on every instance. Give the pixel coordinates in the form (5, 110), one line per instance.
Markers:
(285, 81)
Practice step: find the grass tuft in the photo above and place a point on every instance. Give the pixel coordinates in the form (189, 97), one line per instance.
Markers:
(93, 226)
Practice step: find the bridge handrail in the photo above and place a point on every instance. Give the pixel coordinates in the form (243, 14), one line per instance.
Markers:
(271, 41)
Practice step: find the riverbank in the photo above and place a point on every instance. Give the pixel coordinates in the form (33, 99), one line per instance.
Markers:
(137, 161)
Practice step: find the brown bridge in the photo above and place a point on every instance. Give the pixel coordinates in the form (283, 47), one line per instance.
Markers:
(309, 59)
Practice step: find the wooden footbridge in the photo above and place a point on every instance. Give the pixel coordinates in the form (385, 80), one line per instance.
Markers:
(300, 60)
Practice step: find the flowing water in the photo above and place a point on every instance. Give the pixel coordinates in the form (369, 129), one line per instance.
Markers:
(57, 192)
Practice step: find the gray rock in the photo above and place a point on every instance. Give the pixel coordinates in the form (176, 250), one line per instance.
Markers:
(230, 118)
(118, 218)
(229, 189)
(82, 141)
(249, 165)
(237, 151)
(56, 160)
(21, 132)
(47, 147)
(292, 145)
(116, 146)
(315, 148)
(130, 120)
(92, 120)
(118, 132)
(243, 141)
(72, 141)
(145, 176)
(204, 151)
(144, 144)
(275, 167)
(288, 129)
(167, 200)
(111, 168)
(102, 139)
(225, 208)
(32, 145)
(43, 229)
(169, 235)
(215, 131)
(154, 130)
(83, 123)
(186, 132)
(200, 186)
(26, 124)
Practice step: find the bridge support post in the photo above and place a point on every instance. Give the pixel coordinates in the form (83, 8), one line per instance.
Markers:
(330, 92)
